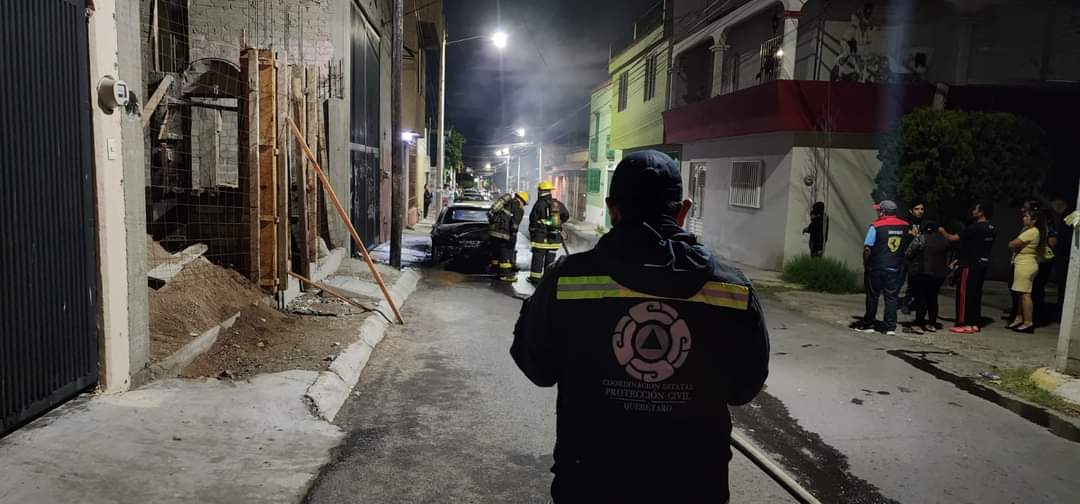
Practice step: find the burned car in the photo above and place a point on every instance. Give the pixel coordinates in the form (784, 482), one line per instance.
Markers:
(461, 233)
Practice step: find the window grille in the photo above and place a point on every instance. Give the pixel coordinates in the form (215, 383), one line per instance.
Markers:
(746, 177)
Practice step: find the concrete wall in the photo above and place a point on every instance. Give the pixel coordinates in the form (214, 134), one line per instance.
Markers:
(596, 211)
(756, 237)
(111, 212)
(131, 70)
(641, 124)
(745, 40)
(850, 179)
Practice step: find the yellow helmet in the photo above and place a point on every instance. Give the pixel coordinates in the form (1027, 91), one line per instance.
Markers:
(546, 185)
(523, 196)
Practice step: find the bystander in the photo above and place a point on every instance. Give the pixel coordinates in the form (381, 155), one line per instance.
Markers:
(976, 246)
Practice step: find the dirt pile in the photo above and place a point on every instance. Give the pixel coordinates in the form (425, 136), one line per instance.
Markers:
(200, 297)
(262, 342)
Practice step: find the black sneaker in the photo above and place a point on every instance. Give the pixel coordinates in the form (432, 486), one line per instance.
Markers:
(862, 326)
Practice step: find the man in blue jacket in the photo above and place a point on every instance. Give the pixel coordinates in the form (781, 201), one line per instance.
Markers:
(649, 339)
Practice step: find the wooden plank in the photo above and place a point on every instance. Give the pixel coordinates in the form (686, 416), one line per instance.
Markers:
(311, 185)
(300, 115)
(345, 218)
(249, 147)
(267, 167)
(155, 99)
(282, 136)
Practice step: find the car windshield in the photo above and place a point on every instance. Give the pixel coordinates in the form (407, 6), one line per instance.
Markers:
(459, 215)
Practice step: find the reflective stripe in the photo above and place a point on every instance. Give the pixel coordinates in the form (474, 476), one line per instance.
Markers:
(506, 265)
(603, 287)
(536, 275)
(546, 246)
(497, 234)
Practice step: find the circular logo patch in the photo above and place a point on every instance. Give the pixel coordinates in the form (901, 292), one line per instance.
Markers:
(651, 342)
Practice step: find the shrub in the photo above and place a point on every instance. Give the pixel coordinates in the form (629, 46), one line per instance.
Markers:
(821, 274)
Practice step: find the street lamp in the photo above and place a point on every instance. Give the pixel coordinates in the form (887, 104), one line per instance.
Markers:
(500, 39)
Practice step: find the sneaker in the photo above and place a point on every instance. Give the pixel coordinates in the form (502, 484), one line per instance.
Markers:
(890, 333)
(930, 329)
(913, 330)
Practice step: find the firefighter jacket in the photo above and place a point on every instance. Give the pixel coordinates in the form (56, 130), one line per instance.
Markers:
(546, 223)
(504, 217)
(649, 339)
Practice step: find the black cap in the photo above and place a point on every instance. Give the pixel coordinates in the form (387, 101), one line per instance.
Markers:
(646, 183)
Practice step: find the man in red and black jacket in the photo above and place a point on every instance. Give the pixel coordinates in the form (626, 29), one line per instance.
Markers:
(649, 339)
(883, 255)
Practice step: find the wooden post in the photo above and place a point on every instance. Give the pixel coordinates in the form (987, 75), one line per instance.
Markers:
(299, 161)
(282, 167)
(311, 185)
(249, 163)
(345, 218)
(267, 167)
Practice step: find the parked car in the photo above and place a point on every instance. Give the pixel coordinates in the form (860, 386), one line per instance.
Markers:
(473, 195)
(461, 232)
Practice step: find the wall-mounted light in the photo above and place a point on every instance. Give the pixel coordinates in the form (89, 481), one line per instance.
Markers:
(780, 52)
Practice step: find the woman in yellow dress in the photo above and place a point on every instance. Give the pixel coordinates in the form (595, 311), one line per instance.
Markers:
(1027, 249)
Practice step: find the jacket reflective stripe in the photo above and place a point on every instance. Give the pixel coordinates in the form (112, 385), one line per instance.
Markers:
(546, 246)
(721, 294)
(497, 234)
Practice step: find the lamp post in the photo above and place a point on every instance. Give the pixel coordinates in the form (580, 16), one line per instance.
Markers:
(500, 39)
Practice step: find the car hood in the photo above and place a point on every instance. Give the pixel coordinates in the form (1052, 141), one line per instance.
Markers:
(474, 230)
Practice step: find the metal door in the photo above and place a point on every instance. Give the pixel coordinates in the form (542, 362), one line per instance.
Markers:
(365, 128)
(48, 283)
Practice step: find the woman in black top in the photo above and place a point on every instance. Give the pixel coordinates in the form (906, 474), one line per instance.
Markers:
(818, 229)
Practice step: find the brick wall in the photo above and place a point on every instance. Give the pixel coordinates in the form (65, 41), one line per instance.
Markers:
(216, 28)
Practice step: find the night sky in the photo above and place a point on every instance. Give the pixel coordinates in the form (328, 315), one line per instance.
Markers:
(557, 55)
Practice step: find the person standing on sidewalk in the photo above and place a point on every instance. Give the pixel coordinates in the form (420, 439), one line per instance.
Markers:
(690, 339)
(818, 229)
(976, 247)
(928, 264)
(428, 196)
(883, 255)
(915, 218)
(1027, 248)
(545, 229)
(504, 217)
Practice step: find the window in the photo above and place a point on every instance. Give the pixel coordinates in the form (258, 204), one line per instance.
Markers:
(771, 59)
(746, 183)
(697, 195)
(594, 142)
(650, 77)
(624, 88)
(459, 215)
(594, 181)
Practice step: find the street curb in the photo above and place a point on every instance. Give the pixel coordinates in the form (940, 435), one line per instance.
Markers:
(171, 366)
(330, 390)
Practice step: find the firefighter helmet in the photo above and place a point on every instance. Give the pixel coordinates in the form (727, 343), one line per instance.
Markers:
(546, 185)
(523, 196)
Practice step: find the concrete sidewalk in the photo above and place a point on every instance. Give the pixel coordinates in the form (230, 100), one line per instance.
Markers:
(178, 441)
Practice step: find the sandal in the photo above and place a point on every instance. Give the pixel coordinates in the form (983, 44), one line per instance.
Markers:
(1026, 330)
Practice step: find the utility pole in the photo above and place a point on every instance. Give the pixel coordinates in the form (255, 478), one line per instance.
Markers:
(397, 186)
(1068, 353)
(441, 156)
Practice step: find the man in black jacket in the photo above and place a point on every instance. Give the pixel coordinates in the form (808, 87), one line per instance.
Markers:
(545, 229)
(649, 339)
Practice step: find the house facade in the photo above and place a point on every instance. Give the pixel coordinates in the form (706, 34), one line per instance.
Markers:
(602, 156)
(778, 105)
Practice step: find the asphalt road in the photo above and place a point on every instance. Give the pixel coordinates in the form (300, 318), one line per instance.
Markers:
(441, 414)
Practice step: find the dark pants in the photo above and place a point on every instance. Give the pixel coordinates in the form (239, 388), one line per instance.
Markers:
(427, 207)
(1038, 293)
(541, 259)
(883, 283)
(1061, 277)
(969, 293)
(502, 256)
(925, 290)
(817, 248)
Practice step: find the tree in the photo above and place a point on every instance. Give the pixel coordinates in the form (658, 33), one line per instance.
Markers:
(950, 159)
(455, 141)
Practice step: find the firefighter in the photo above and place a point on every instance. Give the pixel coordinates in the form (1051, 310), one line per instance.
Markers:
(545, 229)
(504, 218)
(649, 339)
